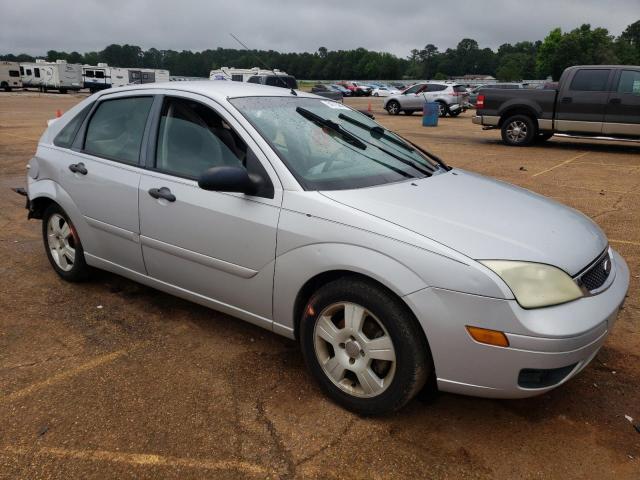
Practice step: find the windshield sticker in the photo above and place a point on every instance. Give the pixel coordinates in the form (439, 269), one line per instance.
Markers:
(334, 105)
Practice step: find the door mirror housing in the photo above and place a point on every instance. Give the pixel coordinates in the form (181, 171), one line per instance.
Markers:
(230, 179)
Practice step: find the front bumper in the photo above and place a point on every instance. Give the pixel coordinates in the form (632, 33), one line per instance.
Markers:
(562, 338)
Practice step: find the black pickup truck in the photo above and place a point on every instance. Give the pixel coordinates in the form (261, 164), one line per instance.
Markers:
(594, 101)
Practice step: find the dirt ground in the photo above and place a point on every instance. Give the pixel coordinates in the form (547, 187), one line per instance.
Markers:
(110, 379)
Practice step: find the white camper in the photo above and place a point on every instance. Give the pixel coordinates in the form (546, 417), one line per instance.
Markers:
(103, 76)
(58, 75)
(10, 76)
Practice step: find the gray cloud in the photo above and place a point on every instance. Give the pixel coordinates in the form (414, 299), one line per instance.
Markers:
(295, 25)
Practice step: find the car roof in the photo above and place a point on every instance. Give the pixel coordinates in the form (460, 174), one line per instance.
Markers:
(215, 89)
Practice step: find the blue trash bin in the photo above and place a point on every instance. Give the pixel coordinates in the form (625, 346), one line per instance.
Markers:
(430, 114)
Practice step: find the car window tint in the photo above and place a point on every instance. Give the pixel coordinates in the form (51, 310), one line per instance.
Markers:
(193, 138)
(590, 80)
(68, 133)
(115, 129)
(629, 82)
(414, 89)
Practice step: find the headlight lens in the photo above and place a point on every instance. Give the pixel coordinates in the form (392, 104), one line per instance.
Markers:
(535, 284)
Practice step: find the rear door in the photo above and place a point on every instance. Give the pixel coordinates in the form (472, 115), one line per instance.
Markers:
(582, 103)
(622, 115)
(218, 245)
(101, 173)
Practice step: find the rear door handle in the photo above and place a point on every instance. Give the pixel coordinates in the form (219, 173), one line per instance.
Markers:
(78, 168)
(566, 100)
(163, 193)
(615, 101)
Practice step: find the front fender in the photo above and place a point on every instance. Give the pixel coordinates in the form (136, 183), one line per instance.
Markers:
(295, 267)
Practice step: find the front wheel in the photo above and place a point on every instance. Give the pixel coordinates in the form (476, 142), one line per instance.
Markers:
(63, 245)
(443, 109)
(364, 347)
(518, 131)
(393, 108)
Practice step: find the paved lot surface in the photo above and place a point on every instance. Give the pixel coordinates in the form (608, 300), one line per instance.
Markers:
(111, 379)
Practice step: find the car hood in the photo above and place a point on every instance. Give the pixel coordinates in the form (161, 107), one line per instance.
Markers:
(484, 218)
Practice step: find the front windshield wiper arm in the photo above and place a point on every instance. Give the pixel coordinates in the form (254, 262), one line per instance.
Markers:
(430, 155)
(376, 132)
(331, 125)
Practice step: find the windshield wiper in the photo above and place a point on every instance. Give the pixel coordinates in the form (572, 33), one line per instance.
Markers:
(331, 125)
(376, 132)
(430, 155)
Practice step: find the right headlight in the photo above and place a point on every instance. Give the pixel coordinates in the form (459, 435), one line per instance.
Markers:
(535, 284)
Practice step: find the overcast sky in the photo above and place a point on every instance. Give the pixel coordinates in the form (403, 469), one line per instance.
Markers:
(35, 26)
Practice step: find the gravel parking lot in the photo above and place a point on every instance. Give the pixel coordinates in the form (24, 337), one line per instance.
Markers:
(110, 379)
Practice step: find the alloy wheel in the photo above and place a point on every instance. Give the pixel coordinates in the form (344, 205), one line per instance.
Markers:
(517, 131)
(61, 242)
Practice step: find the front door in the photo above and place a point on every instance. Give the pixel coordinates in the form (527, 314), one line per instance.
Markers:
(220, 246)
(581, 105)
(622, 116)
(101, 173)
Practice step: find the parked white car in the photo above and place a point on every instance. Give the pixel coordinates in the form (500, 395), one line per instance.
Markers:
(452, 99)
(384, 91)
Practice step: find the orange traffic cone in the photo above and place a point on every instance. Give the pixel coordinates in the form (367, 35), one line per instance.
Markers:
(369, 107)
(58, 113)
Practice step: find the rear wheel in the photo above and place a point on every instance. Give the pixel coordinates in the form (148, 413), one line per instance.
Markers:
(518, 131)
(393, 107)
(443, 109)
(364, 347)
(63, 245)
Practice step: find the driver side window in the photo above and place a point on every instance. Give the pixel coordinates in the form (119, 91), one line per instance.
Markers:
(193, 138)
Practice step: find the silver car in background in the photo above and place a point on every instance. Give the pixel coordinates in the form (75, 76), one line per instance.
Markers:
(452, 99)
(394, 271)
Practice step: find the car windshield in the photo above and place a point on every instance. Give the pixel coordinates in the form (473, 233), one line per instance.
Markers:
(328, 146)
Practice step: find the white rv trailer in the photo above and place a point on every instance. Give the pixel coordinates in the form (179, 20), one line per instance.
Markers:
(58, 75)
(241, 74)
(10, 76)
(103, 76)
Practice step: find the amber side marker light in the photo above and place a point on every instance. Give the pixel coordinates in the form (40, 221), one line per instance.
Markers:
(490, 337)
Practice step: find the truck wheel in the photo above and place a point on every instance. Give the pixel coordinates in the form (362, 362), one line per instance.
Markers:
(364, 347)
(393, 107)
(518, 131)
(5, 86)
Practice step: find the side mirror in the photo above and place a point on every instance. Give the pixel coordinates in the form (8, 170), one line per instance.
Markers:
(229, 179)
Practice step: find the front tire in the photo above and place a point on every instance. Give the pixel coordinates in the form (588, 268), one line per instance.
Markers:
(63, 246)
(364, 347)
(443, 109)
(519, 131)
(393, 107)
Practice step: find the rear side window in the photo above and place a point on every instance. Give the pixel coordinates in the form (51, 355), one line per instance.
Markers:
(436, 88)
(66, 136)
(36, 72)
(88, 73)
(99, 74)
(115, 129)
(459, 89)
(590, 80)
(629, 82)
(253, 80)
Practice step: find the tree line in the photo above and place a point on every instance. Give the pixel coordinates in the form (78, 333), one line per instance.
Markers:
(522, 60)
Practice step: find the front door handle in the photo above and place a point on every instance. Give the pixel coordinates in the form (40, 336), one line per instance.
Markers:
(566, 100)
(78, 168)
(164, 193)
(615, 101)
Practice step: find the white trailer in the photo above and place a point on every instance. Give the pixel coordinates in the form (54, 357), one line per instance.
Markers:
(58, 75)
(10, 76)
(103, 76)
(241, 74)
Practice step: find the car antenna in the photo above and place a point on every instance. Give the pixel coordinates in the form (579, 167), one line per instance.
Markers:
(293, 92)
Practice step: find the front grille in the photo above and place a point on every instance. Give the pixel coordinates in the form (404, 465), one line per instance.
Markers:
(597, 274)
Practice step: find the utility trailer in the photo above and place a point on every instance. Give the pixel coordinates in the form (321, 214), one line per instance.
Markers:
(58, 75)
(10, 76)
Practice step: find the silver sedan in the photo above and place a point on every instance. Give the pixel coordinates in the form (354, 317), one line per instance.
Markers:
(394, 271)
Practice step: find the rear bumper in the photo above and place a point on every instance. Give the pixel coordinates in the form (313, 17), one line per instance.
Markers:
(486, 120)
(548, 345)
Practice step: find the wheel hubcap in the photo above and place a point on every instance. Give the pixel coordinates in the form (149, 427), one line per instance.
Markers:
(61, 242)
(517, 131)
(354, 349)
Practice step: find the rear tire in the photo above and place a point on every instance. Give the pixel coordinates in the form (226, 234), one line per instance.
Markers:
(62, 245)
(443, 109)
(393, 107)
(340, 324)
(519, 131)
